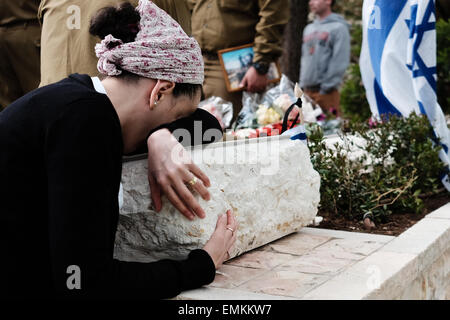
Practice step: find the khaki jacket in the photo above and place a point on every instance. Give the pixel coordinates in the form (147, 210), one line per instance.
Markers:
(221, 24)
(67, 50)
(12, 11)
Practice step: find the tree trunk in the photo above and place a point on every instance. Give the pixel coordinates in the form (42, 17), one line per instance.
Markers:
(443, 9)
(292, 40)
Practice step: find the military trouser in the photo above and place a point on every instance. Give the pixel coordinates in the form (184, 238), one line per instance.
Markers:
(19, 60)
(215, 85)
(329, 102)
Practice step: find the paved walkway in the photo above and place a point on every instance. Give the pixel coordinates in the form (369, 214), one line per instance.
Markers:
(291, 267)
(328, 264)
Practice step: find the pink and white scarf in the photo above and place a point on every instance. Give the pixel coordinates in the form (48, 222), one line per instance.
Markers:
(161, 50)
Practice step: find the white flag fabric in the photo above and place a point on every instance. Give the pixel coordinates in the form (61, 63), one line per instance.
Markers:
(398, 63)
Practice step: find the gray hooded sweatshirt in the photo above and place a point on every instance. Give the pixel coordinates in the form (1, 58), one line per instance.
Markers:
(325, 53)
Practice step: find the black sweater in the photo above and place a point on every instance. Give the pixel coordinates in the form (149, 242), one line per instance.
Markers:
(60, 169)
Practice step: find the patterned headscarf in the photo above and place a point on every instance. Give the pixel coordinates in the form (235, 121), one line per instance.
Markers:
(161, 50)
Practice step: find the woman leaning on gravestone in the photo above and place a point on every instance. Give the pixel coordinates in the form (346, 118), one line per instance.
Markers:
(61, 159)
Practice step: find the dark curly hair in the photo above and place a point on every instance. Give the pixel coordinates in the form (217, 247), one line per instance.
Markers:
(122, 22)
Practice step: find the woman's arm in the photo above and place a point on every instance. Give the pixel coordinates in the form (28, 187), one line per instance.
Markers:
(167, 278)
(169, 169)
(83, 160)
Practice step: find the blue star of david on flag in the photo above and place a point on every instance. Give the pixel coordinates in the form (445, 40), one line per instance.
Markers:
(398, 64)
(417, 33)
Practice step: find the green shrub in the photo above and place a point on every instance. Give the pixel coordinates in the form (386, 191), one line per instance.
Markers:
(399, 163)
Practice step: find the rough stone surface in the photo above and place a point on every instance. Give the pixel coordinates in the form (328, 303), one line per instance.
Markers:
(269, 183)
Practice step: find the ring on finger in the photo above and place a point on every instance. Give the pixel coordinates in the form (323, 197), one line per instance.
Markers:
(193, 181)
(231, 229)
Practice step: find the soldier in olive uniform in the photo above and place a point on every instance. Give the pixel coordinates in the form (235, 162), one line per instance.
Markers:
(222, 24)
(19, 49)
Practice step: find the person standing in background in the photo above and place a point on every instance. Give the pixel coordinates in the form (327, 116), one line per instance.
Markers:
(325, 56)
(67, 46)
(19, 49)
(222, 24)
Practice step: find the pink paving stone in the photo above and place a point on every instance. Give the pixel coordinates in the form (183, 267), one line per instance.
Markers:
(229, 277)
(284, 283)
(352, 249)
(317, 262)
(296, 243)
(259, 259)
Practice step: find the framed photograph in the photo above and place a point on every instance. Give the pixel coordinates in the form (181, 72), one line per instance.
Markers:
(235, 63)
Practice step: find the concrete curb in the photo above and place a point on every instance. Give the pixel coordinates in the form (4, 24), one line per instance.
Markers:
(414, 265)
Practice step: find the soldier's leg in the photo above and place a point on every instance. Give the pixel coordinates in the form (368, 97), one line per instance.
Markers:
(214, 85)
(330, 101)
(24, 51)
(314, 95)
(55, 39)
(10, 88)
(327, 101)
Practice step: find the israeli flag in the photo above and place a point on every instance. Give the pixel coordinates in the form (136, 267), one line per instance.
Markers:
(297, 133)
(398, 63)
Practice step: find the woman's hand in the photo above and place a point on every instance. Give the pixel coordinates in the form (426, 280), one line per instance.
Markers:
(170, 168)
(222, 239)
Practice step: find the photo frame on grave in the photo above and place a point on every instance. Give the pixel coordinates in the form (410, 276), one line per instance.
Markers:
(237, 60)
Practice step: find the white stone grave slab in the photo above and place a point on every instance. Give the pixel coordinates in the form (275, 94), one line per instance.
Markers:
(269, 183)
